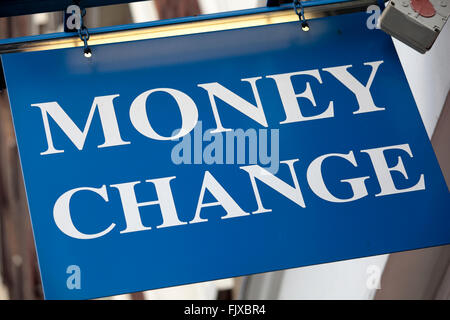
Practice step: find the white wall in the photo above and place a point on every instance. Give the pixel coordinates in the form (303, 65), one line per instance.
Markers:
(214, 6)
(3, 291)
(143, 11)
(351, 279)
(428, 76)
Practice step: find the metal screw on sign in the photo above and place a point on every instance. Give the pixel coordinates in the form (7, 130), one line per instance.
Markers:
(298, 8)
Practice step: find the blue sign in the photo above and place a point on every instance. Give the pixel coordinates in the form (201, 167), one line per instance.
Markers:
(170, 161)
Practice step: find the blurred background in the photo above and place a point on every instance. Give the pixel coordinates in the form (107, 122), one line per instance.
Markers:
(418, 274)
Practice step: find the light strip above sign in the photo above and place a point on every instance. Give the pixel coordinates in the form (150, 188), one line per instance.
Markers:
(183, 26)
